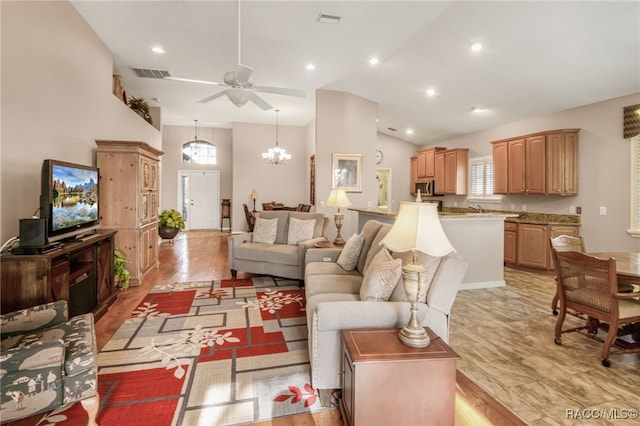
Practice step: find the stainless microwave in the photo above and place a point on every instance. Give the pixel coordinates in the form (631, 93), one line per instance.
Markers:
(425, 187)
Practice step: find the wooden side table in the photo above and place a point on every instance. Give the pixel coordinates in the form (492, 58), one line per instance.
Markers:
(386, 382)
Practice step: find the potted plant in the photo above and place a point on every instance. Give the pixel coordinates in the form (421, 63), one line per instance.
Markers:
(171, 222)
(140, 106)
(122, 274)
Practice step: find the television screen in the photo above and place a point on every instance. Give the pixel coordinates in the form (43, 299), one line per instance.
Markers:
(71, 195)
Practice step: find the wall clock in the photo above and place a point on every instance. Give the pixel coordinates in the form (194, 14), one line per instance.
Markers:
(379, 156)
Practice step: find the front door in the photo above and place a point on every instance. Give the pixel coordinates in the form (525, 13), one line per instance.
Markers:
(200, 199)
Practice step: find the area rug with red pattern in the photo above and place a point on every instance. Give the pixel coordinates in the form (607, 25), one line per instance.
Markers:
(203, 353)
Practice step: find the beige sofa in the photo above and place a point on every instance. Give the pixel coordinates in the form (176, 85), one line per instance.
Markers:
(279, 258)
(333, 301)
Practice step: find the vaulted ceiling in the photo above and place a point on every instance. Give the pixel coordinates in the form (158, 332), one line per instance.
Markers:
(536, 57)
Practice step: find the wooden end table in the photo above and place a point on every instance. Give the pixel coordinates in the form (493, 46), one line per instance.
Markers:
(386, 382)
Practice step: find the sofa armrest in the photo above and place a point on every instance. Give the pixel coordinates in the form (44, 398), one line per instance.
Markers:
(243, 237)
(35, 318)
(47, 353)
(341, 315)
(320, 254)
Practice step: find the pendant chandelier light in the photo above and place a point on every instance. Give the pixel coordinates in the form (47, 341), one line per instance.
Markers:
(276, 155)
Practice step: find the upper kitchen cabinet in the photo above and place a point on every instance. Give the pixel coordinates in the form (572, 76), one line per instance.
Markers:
(540, 163)
(451, 171)
(426, 162)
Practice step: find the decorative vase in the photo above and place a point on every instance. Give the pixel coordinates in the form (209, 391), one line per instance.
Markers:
(167, 233)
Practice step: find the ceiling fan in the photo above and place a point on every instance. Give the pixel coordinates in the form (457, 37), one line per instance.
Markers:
(240, 87)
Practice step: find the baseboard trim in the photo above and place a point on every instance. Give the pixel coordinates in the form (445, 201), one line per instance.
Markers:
(482, 284)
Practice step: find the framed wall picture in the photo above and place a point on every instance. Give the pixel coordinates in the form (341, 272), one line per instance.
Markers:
(347, 172)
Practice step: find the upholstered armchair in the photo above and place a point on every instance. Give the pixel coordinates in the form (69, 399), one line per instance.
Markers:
(47, 361)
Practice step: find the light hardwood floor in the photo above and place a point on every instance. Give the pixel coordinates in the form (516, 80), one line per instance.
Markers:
(505, 337)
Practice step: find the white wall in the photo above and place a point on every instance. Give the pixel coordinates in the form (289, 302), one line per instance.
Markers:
(56, 101)
(603, 170)
(282, 183)
(396, 157)
(345, 123)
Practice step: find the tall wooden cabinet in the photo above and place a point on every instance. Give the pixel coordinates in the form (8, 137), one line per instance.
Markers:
(426, 162)
(451, 171)
(129, 199)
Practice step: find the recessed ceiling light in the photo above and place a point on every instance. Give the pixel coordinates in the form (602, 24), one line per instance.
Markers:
(431, 92)
(476, 47)
(477, 109)
(409, 131)
(157, 49)
(328, 19)
(374, 61)
(310, 67)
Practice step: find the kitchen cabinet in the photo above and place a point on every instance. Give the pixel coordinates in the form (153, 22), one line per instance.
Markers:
(413, 176)
(500, 162)
(129, 197)
(426, 162)
(510, 242)
(532, 247)
(562, 163)
(451, 171)
(543, 163)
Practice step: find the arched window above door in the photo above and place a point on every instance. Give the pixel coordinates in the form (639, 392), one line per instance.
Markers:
(199, 152)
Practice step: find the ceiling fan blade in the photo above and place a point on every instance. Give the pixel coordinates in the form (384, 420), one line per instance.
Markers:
(260, 102)
(281, 91)
(190, 80)
(212, 97)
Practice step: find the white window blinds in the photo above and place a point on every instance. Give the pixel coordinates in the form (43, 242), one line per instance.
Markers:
(481, 179)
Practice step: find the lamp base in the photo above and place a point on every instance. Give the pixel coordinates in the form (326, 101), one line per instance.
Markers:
(418, 338)
(339, 241)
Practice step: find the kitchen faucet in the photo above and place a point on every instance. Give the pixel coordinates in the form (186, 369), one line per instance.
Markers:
(477, 209)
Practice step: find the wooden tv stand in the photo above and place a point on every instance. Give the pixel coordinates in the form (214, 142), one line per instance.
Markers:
(80, 272)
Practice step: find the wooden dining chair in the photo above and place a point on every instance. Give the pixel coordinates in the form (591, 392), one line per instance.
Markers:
(251, 220)
(570, 243)
(589, 285)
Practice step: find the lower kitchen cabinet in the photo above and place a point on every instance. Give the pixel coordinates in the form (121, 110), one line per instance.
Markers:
(527, 244)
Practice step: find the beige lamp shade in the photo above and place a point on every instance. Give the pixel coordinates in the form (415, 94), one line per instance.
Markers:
(418, 227)
(338, 198)
(254, 194)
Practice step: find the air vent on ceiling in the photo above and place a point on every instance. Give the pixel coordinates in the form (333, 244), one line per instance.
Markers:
(392, 129)
(149, 73)
(328, 19)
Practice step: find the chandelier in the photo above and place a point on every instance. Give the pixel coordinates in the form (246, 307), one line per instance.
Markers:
(276, 155)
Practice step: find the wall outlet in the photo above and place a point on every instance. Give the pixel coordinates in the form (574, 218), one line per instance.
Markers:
(322, 204)
(524, 207)
(578, 210)
(603, 211)
(572, 209)
(513, 206)
(455, 204)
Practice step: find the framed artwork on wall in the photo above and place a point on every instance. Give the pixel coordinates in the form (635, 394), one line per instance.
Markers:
(347, 172)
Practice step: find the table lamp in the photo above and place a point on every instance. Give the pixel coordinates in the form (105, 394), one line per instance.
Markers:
(254, 195)
(338, 198)
(416, 228)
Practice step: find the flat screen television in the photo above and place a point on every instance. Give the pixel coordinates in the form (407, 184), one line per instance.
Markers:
(69, 199)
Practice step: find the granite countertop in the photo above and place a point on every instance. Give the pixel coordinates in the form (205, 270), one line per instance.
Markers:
(510, 216)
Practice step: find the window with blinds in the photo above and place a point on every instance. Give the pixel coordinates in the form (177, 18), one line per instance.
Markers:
(481, 180)
(634, 228)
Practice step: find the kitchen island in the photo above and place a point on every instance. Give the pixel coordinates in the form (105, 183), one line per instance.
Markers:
(477, 237)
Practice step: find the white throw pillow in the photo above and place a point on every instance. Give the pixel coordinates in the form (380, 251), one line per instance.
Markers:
(264, 230)
(300, 230)
(381, 277)
(350, 253)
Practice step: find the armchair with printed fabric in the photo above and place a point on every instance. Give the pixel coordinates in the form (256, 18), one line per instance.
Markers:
(47, 361)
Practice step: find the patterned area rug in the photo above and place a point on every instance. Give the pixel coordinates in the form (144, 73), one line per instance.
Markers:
(194, 353)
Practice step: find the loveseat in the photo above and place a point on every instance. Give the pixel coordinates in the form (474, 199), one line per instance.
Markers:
(334, 302)
(278, 243)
